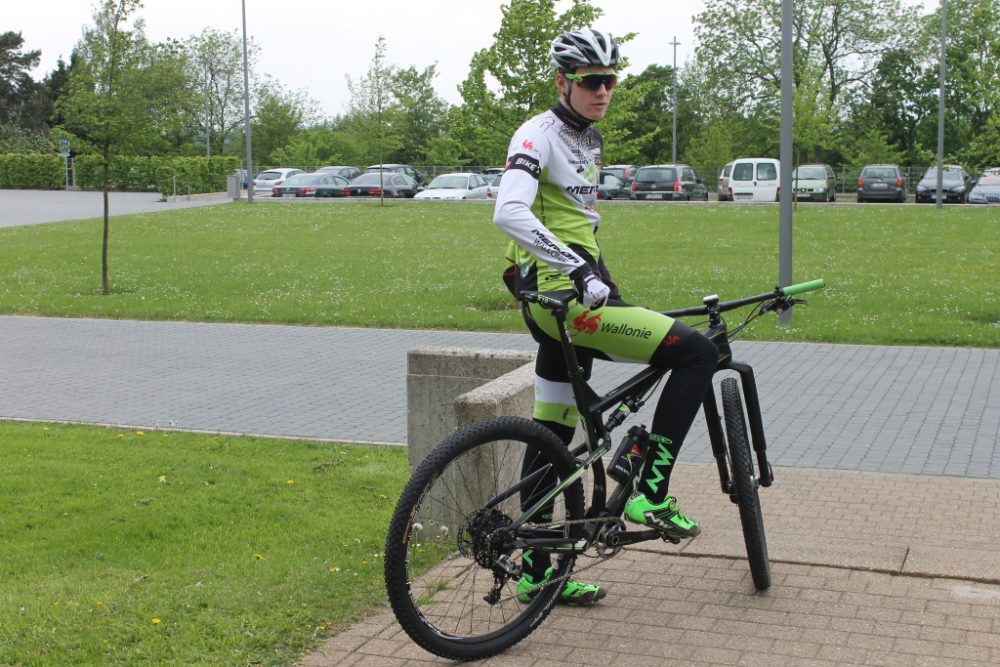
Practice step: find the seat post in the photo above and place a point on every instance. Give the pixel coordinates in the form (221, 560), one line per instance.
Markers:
(581, 391)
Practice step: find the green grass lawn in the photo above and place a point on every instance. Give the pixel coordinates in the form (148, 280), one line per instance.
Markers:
(130, 547)
(896, 274)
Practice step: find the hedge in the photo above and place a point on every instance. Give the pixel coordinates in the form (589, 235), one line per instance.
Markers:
(32, 170)
(143, 174)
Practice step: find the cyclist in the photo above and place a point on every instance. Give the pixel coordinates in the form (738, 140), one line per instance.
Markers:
(546, 206)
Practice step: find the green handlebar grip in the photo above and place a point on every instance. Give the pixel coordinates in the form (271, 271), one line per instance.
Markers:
(803, 287)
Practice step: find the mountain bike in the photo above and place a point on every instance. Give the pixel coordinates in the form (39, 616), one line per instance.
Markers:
(453, 554)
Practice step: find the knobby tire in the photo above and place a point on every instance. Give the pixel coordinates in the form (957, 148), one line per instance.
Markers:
(745, 485)
(438, 553)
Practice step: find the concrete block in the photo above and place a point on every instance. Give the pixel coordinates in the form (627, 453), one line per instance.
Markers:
(436, 377)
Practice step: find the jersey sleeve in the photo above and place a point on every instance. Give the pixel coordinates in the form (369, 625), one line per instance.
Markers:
(527, 158)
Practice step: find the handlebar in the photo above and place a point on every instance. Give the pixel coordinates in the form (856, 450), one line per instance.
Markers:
(560, 300)
(712, 303)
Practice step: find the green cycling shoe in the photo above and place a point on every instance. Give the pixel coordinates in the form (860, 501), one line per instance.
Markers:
(574, 593)
(665, 517)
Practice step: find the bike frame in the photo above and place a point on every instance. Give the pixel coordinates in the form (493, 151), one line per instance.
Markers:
(627, 396)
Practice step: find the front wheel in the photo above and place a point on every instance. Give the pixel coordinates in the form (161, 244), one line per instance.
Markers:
(452, 559)
(745, 484)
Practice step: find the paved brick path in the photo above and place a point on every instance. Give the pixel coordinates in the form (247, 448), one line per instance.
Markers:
(863, 574)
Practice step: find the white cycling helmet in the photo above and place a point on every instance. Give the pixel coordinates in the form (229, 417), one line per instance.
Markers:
(583, 48)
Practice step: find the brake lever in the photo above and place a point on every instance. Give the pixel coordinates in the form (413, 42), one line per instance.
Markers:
(781, 304)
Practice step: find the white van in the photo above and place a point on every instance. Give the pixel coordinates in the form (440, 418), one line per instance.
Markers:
(754, 179)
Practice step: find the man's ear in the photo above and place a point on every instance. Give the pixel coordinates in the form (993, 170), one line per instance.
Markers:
(562, 83)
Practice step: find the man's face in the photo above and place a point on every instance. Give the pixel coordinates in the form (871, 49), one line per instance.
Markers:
(591, 104)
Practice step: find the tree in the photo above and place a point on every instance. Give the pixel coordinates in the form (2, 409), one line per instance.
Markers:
(518, 61)
(216, 62)
(279, 116)
(16, 84)
(320, 145)
(373, 112)
(116, 99)
(837, 41)
(423, 115)
(902, 102)
(973, 68)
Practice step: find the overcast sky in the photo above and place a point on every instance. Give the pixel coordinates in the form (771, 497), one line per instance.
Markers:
(311, 45)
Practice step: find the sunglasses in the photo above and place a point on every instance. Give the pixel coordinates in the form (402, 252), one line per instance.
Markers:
(594, 81)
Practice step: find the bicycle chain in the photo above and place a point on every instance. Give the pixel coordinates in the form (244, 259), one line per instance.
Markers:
(601, 556)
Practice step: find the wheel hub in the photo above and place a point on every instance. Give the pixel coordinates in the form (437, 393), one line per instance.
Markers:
(483, 536)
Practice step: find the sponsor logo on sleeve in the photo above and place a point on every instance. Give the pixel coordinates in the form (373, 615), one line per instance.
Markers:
(524, 162)
(552, 249)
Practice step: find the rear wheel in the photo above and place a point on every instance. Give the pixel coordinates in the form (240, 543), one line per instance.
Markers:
(451, 561)
(745, 485)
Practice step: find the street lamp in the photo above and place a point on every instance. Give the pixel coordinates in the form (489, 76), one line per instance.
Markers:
(246, 108)
(673, 144)
(785, 205)
(940, 151)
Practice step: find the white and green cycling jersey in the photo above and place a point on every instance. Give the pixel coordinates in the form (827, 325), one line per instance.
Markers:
(546, 204)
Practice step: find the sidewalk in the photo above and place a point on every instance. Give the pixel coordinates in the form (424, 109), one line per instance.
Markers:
(868, 569)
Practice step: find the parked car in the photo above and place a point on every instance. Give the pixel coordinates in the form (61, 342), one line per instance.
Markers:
(624, 172)
(676, 182)
(955, 182)
(881, 182)
(986, 190)
(814, 182)
(492, 171)
(398, 169)
(345, 172)
(991, 171)
(373, 184)
(722, 190)
(612, 187)
(494, 188)
(456, 186)
(754, 179)
(268, 180)
(310, 185)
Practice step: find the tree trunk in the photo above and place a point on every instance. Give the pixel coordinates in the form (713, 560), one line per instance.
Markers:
(105, 283)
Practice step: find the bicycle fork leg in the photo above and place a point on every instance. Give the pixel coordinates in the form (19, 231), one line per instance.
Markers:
(717, 437)
(749, 384)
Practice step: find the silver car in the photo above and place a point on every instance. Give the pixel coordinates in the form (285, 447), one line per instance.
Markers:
(272, 178)
(986, 189)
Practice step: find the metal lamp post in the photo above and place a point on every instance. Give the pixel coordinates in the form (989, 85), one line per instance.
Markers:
(785, 182)
(940, 145)
(673, 143)
(246, 108)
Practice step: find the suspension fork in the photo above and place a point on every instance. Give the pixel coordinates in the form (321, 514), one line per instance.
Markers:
(764, 472)
(717, 436)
